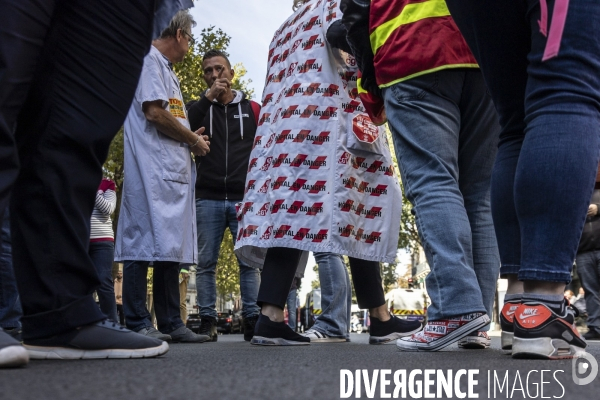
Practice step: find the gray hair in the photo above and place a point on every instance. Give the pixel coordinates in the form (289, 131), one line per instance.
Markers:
(182, 20)
(298, 3)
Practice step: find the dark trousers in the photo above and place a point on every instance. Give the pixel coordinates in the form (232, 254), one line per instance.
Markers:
(165, 294)
(102, 254)
(549, 112)
(68, 73)
(10, 306)
(280, 267)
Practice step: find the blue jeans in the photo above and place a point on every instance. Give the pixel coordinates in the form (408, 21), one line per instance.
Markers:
(445, 133)
(588, 268)
(165, 292)
(102, 255)
(10, 306)
(336, 296)
(213, 217)
(549, 112)
(291, 306)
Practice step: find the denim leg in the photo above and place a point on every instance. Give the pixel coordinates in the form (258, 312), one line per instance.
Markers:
(212, 219)
(588, 268)
(425, 119)
(291, 306)
(102, 255)
(549, 113)
(166, 296)
(335, 301)
(476, 154)
(249, 277)
(135, 287)
(10, 306)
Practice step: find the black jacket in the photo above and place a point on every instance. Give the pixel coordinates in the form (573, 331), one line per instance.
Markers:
(222, 172)
(590, 237)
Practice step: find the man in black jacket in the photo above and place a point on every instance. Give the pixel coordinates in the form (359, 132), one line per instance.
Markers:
(230, 121)
(588, 263)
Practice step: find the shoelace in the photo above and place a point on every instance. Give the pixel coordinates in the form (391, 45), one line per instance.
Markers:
(114, 324)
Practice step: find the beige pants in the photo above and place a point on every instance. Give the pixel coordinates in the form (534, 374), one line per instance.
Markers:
(182, 296)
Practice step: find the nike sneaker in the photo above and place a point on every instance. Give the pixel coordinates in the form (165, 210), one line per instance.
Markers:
(540, 332)
(506, 323)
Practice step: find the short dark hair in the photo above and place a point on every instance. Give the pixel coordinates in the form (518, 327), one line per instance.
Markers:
(216, 53)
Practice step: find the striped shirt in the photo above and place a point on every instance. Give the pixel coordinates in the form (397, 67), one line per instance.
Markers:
(106, 202)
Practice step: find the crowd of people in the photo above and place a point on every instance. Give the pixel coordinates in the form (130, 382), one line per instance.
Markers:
(496, 139)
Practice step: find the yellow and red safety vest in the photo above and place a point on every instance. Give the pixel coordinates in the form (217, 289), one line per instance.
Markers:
(410, 38)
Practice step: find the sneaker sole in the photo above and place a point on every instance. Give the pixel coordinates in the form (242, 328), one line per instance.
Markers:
(545, 348)
(474, 343)
(447, 340)
(506, 339)
(204, 339)
(13, 356)
(63, 353)
(327, 340)
(263, 341)
(392, 336)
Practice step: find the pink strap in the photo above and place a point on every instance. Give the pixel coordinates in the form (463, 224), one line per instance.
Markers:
(543, 21)
(557, 26)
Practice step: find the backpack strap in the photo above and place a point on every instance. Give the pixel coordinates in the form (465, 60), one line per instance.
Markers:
(256, 110)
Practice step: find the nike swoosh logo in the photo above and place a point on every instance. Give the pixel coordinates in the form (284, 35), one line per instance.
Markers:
(522, 317)
(510, 313)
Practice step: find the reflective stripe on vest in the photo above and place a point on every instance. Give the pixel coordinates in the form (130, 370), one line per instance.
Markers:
(411, 13)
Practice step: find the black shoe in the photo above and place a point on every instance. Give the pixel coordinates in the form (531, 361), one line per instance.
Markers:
(12, 354)
(392, 329)
(184, 335)
(249, 324)
(154, 333)
(540, 332)
(592, 334)
(103, 339)
(208, 327)
(269, 333)
(16, 333)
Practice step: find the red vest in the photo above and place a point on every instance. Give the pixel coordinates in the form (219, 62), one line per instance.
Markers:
(415, 37)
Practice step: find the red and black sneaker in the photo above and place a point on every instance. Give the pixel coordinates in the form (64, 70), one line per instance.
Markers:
(506, 323)
(539, 332)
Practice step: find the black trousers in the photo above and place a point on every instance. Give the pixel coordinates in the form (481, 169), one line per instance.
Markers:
(68, 73)
(280, 267)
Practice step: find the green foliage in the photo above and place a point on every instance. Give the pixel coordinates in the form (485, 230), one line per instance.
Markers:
(228, 272)
(316, 284)
(389, 276)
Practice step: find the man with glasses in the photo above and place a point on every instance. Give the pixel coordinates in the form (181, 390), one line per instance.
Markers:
(157, 218)
(230, 120)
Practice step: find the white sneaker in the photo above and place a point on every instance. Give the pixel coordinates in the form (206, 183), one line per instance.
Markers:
(475, 340)
(318, 337)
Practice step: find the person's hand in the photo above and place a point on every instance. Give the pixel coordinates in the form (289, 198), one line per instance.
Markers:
(219, 86)
(202, 147)
(592, 210)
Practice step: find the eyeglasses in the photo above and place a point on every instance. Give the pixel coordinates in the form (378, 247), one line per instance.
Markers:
(191, 40)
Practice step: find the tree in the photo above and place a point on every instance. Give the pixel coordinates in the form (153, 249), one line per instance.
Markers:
(227, 274)
(190, 75)
(389, 276)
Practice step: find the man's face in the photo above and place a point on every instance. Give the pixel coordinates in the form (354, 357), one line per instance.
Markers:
(213, 66)
(184, 42)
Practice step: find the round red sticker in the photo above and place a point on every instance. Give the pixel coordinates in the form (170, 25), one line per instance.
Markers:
(364, 129)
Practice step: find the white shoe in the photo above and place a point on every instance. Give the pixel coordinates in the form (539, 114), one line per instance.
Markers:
(475, 340)
(318, 337)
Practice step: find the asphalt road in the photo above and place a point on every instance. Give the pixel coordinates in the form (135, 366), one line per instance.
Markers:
(233, 369)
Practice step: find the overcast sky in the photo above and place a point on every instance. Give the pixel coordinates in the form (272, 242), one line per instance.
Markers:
(251, 25)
